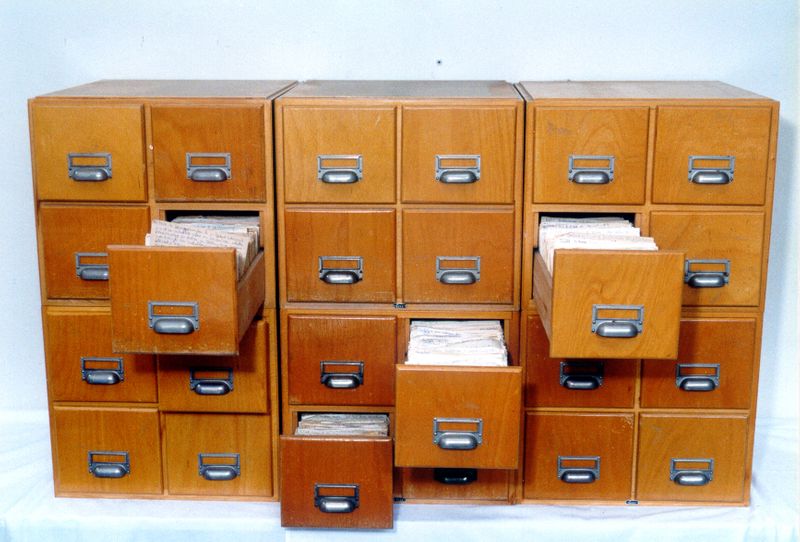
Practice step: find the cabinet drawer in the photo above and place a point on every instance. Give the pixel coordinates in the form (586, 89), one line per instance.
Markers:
(459, 154)
(458, 257)
(341, 256)
(343, 482)
(106, 450)
(457, 416)
(691, 458)
(74, 246)
(182, 300)
(561, 382)
(711, 155)
(218, 454)
(341, 360)
(714, 367)
(724, 253)
(578, 456)
(209, 153)
(455, 484)
(339, 154)
(590, 155)
(81, 365)
(610, 304)
(88, 152)
(218, 383)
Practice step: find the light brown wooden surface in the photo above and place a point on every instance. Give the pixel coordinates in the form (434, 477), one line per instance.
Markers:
(420, 484)
(635, 90)
(188, 435)
(366, 462)
(176, 88)
(403, 89)
(250, 378)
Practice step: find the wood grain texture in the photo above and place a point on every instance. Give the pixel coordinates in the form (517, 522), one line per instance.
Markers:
(403, 89)
(420, 484)
(635, 90)
(176, 88)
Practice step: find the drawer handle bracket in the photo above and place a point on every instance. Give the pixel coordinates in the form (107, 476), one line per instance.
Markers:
(173, 324)
(458, 174)
(697, 278)
(468, 273)
(91, 271)
(336, 504)
(578, 474)
(218, 472)
(85, 173)
(109, 468)
(688, 381)
(617, 328)
(210, 386)
(206, 173)
(691, 476)
(460, 439)
(588, 174)
(581, 375)
(455, 477)
(341, 380)
(711, 175)
(341, 275)
(340, 174)
(102, 376)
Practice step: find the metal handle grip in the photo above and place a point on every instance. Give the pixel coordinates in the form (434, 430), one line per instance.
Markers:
(213, 173)
(458, 277)
(218, 472)
(457, 439)
(109, 468)
(467, 273)
(707, 278)
(340, 380)
(173, 324)
(336, 504)
(209, 175)
(581, 375)
(590, 175)
(691, 476)
(617, 328)
(578, 474)
(91, 173)
(711, 175)
(102, 376)
(341, 275)
(211, 386)
(91, 271)
(339, 177)
(688, 381)
(458, 174)
(340, 174)
(455, 477)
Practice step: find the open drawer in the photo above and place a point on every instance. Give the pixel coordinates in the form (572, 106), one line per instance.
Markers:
(176, 300)
(610, 303)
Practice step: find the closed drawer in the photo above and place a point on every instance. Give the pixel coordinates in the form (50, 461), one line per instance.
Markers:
(562, 382)
(106, 450)
(457, 416)
(590, 155)
(205, 153)
(343, 482)
(691, 458)
(182, 300)
(81, 365)
(711, 155)
(610, 304)
(455, 484)
(459, 154)
(458, 257)
(578, 456)
(218, 383)
(218, 454)
(340, 256)
(724, 253)
(74, 246)
(339, 154)
(88, 152)
(714, 368)
(341, 360)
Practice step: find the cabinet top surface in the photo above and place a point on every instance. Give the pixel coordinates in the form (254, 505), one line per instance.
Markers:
(403, 89)
(165, 88)
(636, 90)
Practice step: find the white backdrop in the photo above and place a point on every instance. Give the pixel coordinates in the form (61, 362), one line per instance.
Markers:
(46, 46)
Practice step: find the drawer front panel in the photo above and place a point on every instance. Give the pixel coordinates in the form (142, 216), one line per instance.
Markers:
(84, 438)
(218, 454)
(81, 365)
(459, 154)
(88, 152)
(218, 383)
(711, 155)
(341, 256)
(209, 153)
(339, 154)
(311, 465)
(665, 442)
(336, 360)
(458, 257)
(561, 382)
(74, 246)
(457, 416)
(578, 456)
(734, 244)
(590, 155)
(714, 368)
(455, 484)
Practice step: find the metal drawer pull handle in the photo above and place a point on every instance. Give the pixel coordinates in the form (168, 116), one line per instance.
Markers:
(590, 175)
(208, 173)
(578, 474)
(711, 175)
(209, 385)
(109, 468)
(457, 439)
(340, 174)
(703, 278)
(91, 271)
(581, 375)
(218, 472)
(336, 504)
(173, 324)
(691, 476)
(102, 376)
(458, 174)
(341, 275)
(462, 274)
(341, 380)
(617, 328)
(687, 381)
(85, 173)
(455, 477)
